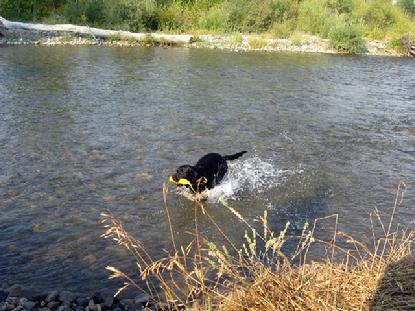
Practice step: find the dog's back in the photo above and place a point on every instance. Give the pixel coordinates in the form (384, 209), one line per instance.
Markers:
(213, 167)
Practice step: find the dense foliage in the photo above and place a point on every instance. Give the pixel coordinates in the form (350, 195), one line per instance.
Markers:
(338, 20)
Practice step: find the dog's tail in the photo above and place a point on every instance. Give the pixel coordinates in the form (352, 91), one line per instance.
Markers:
(234, 156)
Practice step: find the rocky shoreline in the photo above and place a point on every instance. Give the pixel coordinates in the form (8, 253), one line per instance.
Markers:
(236, 43)
(18, 298)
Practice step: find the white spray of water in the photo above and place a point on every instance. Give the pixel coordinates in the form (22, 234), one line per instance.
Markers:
(250, 174)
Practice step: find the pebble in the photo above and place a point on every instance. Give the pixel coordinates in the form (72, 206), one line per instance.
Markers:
(53, 304)
(52, 296)
(108, 301)
(66, 301)
(66, 297)
(29, 305)
(92, 305)
(82, 301)
(12, 300)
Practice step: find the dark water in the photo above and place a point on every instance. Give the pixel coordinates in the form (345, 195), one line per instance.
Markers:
(84, 130)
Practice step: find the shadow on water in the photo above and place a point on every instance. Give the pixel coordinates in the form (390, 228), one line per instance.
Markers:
(396, 289)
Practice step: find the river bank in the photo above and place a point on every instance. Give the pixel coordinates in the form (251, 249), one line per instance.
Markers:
(17, 33)
(238, 43)
(17, 298)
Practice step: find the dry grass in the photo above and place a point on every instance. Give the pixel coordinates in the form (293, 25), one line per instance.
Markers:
(259, 276)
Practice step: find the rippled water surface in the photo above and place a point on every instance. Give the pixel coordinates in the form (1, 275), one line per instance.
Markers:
(89, 129)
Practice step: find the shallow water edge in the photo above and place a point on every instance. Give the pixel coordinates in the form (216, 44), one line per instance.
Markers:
(236, 43)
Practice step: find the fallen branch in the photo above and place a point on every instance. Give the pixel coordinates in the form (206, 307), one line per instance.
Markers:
(95, 32)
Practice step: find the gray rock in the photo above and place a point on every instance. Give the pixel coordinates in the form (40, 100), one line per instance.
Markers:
(98, 298)
(12, 300)
(117, 309)
(81, 301)
(4, 306)
(108, 301)
(92, 306)
(141, 300)
(29, 305)
(22, 301)
(64, 308)
(66, 297)
(18, 308)
(53, 296)
(14, 290)
(127, 304)
(32, 295)
(53, 304)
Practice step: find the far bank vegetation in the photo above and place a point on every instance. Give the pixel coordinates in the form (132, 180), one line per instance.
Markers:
(344, 22)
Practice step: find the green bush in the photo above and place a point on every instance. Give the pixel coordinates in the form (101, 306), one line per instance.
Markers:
(84, 11)
(341, 6)
(397, 45)
(379, 14)
(214, 20)
(281, 30)
(32, 10)
(171, 17)
(313, 16)
(347, 38)
(408, 6)
(134, 15)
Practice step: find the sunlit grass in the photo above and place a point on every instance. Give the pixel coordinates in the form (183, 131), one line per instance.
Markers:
(259, 275)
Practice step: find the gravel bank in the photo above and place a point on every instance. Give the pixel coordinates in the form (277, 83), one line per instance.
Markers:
(18, 298)
(237, 43)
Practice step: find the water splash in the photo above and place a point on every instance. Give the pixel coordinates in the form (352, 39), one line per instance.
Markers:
(251, 174)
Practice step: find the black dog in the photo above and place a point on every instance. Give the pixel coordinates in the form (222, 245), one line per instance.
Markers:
(207, 172)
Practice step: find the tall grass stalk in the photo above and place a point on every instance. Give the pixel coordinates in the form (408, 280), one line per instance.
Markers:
(259, 275)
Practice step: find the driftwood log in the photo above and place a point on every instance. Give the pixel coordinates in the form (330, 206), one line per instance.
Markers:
(95, 32)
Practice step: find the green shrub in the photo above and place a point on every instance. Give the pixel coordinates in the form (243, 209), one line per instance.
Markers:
(214, 20)
(408, 6)
(235, 40)
(347, 38)
(133, 15)
(312, 16)
(397, 45)
(257, 42)
(379, 14)
(341, 6)
(84, 11)
(259, 16)
(281, 30)
(297, 39)
(33, 10)
(171, 17)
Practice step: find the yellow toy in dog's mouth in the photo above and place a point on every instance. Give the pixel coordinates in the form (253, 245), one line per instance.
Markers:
(180, 182)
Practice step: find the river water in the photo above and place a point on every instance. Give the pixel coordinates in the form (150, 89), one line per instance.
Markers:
(84, 130)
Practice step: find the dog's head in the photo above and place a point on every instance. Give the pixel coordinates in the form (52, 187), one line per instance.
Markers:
(188, 176)
(186, 172)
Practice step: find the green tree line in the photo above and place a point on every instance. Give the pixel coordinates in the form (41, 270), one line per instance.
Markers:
(338, 20)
